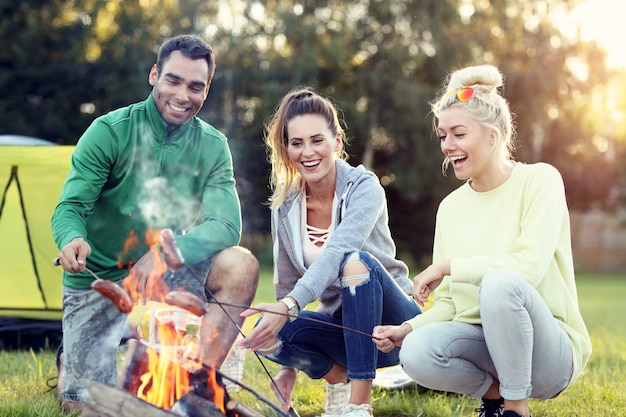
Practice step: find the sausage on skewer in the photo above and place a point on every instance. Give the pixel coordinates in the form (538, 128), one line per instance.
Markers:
(171, 251)
(187, 301)
(115, 293)
(118, 296)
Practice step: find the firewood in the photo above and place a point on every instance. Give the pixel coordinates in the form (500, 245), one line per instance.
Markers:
(106, 401)
(241, 410)
(135, 365)
(192, 405)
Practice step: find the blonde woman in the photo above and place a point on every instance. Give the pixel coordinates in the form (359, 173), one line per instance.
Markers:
(332, 244)
(505, 324)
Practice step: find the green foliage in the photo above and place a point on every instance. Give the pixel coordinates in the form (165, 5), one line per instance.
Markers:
(64, 63)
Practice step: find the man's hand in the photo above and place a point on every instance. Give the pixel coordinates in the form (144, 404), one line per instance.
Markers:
(145, 281)
(73, 256)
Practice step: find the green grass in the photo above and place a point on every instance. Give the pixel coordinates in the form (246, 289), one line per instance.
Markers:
(601, 391)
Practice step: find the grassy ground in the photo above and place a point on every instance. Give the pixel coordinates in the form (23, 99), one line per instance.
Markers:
(601, 391)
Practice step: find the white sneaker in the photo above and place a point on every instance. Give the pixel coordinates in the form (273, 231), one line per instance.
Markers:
(337, 397)
(357, 410)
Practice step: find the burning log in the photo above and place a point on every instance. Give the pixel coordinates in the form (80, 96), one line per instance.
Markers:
(204, 396)
(106, 401)
(159, 378)
(193, 405)
(207, 385)
(135, 365)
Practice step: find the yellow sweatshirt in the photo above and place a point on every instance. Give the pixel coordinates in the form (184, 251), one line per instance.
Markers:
(523, 226)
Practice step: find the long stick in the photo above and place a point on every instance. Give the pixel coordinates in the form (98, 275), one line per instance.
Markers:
(261, 310)
(242, 307)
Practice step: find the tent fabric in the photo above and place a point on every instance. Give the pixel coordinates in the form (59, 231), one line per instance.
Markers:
(32, 173)
(20, 140)
(31, 178)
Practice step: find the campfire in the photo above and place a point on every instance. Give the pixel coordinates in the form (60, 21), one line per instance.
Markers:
(173, 367)
(163, 374)
(154, 383)
(162, 371)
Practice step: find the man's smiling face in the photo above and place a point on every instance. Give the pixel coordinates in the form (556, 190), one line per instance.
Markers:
(181, 88)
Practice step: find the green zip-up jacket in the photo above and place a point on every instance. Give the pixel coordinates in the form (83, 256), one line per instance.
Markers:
(130, 177)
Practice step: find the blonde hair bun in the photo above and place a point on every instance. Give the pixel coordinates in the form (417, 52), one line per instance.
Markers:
(485, 77)
(485, 104)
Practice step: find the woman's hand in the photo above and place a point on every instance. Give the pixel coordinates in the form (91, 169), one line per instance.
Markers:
(426, 281)
(389, 337)
(264, 333)
(283, 384)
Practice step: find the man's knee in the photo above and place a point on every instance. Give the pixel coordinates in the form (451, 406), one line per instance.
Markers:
(236, 257)
(235, 267)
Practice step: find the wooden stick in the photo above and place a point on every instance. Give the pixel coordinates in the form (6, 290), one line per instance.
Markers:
(241, 410)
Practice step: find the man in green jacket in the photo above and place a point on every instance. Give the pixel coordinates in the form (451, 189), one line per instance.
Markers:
(135, 171)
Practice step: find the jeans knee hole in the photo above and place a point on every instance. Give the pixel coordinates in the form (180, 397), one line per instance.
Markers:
(354, 281)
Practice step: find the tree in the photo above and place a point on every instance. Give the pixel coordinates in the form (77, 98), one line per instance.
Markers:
(382, 61)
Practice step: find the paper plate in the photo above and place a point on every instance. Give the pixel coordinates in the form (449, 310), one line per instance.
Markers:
(394, 377)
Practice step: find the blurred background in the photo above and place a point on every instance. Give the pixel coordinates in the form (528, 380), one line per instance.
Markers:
(65, 62)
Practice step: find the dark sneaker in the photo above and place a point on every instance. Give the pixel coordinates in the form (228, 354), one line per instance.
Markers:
(491, 408)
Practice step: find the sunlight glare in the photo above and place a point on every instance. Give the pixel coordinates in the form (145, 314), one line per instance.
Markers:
(602, 21)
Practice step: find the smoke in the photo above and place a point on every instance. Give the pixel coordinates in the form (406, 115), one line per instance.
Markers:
(162, 205)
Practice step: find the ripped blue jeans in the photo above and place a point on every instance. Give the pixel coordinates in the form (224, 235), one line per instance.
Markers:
(314, 347)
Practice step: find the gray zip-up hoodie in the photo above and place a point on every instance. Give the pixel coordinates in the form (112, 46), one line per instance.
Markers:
(362, 224)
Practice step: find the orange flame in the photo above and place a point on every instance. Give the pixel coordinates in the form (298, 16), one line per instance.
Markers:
(153, 236)
(155, 289)
(131, 242)
(167, 378)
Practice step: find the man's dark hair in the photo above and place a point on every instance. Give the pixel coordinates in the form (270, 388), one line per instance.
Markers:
(190, 46)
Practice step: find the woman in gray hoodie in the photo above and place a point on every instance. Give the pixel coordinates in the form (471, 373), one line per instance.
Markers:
(332, 244)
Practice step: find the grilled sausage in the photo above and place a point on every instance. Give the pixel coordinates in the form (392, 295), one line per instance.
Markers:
(170, 250)
(186, 301)
(115, 293)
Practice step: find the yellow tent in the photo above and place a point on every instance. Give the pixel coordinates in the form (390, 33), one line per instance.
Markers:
(32, 172)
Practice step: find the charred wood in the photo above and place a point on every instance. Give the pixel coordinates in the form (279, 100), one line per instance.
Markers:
(192, 405)
(135, 365)
(106, 401)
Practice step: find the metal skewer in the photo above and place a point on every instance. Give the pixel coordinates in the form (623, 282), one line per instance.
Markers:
(57, 262)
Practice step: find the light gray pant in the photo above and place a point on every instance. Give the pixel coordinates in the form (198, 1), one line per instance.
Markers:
(519, 343)
(92, 329)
